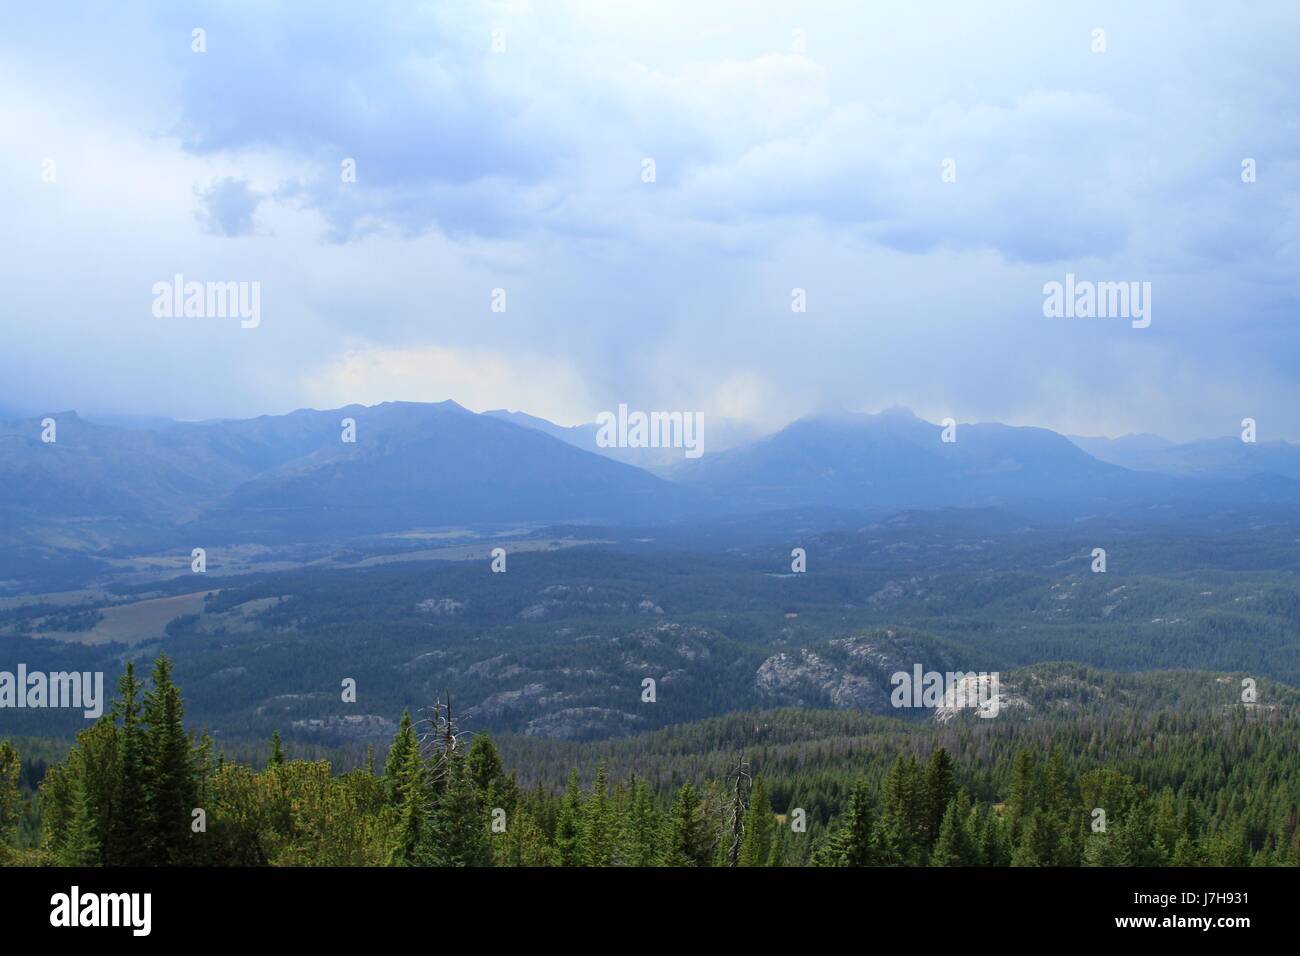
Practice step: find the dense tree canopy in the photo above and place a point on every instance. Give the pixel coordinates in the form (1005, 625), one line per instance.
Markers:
(138, 789)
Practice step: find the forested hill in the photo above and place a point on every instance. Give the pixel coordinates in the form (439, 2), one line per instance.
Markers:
(778, 788)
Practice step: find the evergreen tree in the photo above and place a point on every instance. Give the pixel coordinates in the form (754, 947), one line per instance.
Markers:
(856, 841)
(956, 843)
(1138, 837)
(10, 801)
(687, 842)
(1187, 852)
(1038, 841)
(1105, 849)
(79, 845)
(1058, 805)
(642, 827)
(568, 827)
(298, 812)
(760, 822)
(994, 848)
(1022, 797)
(203, 768)
(484, 764)
(128, 842)
(407, 788)
(1054, 796)
(169, 768)
(97, 761)
(597, 823)
(398, 759)
(458, 828)
(1229, 847)
(939, 791)
(523, 843)
(903, 813)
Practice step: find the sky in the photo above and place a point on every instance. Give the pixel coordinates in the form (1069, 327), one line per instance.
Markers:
(919, 170)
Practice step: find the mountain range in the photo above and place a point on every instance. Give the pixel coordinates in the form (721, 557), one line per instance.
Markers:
(1221, 459)
(415, 465)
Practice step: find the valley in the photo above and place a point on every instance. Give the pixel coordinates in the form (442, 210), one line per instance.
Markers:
(675, 635)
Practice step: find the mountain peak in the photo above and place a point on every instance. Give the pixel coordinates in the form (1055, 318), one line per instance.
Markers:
(899, 412)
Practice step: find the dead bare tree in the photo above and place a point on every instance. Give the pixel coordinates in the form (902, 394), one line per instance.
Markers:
(440, 739)
(739, 807)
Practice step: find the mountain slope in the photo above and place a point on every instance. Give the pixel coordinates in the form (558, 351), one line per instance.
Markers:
(93, 470)
(1217, 459)
(417, 465)
(895, 459)
(411, 465)
(720, 434)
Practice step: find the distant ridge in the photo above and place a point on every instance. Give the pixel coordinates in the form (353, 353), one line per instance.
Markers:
(439, 464)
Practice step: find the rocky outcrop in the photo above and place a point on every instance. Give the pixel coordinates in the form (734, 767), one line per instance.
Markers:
(441, 607)
(577, 723)
(850, 672)
(361, 727)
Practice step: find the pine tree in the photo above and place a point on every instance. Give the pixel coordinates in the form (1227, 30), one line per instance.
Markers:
(1165, 818)
(1140, 844)
(1058, 804)
(1038, 841)
(1187, 852)
(568, 826)
(407, 788)
(977, 823)
(203, 767)
(760, 822)
(277, 751)
(1229, 847)
(79, 845)
(1055, 793)
(10, 801)
(642, 828)
(523, 843)
(688, 841)
(1189, 823)
(1105, 849)
(856, 841)
(994, 849)
(956, 843)
(458, 827)
(597, 829)
(128, 841)
(398, 758)
(169, 769)
(1022, 796)
(98, 762)
(939, 791)
(483, 763)
(903, 812)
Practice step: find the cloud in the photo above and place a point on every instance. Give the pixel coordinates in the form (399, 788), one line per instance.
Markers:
(777, 167)
(479, 380)
(228, 206)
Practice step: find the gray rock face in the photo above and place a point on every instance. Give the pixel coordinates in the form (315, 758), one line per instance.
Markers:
(498, 667)
(807, 679)
(363, 727)
(441, 607)
(574, 723)
(557, 600)
(850, 672)
(506, 701)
